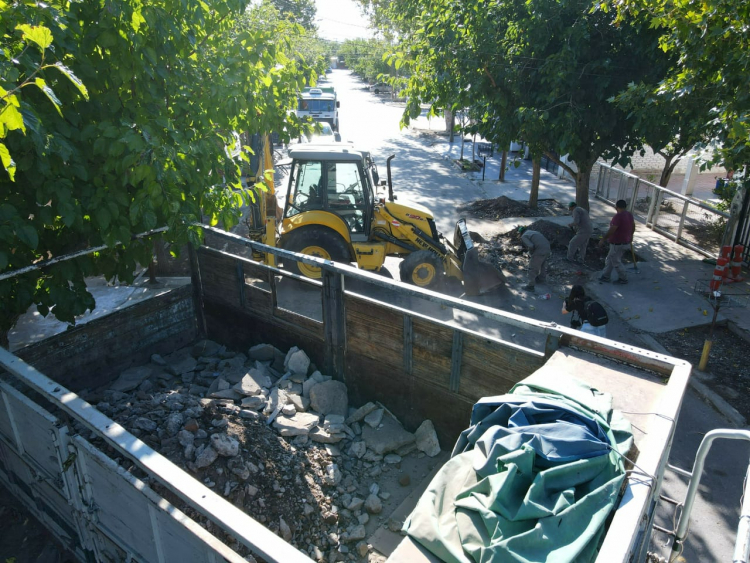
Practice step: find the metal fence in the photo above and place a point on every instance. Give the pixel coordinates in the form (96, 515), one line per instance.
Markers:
(687, 221)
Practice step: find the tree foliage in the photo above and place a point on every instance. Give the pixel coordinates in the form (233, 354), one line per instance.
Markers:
(710, 41)
(302, 12)
(168, 83)
(366, 57)
(542, 71)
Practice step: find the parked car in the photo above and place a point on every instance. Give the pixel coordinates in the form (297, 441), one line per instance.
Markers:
(325, 135)
(381, 87)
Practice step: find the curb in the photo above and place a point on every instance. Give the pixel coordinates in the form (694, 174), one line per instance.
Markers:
(710, 396)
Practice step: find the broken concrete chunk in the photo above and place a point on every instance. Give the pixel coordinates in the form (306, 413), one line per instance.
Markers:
(206, 457)
(226, 394)
(329, 397)
(325, 437)
(248, 386)
(308, 384)
(262, 352)
(390, 437)
(332, 474)
(357, 534)
(255, 403)
(361, 412)
(426, 439)
(299, 424)
(373, 505)
(373, 419)
(288, 410)
(179, 364)
(296, 362)
(131, 378)
(358, 449)
(300, 403)
(146, 424)
(225, 445)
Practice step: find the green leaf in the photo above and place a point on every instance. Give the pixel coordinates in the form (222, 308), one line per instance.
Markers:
(73, 78)
(103, 217)
(8, 164)
(28, 235)
(42, 85)
(11, 119)
(36, 34)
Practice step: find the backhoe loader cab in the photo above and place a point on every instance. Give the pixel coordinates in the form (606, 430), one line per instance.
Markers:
(333, 210)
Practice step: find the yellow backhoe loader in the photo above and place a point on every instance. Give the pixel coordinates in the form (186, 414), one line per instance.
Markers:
(332, 210)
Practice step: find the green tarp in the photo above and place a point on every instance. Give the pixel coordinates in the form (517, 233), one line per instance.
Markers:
(532, 480)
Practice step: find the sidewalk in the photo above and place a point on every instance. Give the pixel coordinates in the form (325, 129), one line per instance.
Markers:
(659, 298)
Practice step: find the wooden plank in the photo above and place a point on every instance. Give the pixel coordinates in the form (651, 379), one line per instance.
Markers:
(284, 318)
(94, 353)
(412, 400)
(432, 352)
(219, 277)
(489, 368)
(371, 329)
(259, 301)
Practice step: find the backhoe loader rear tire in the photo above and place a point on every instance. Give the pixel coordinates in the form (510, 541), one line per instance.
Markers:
(422, 268)
(319, 241)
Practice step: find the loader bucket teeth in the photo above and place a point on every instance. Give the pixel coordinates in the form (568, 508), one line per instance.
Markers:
(479, 277)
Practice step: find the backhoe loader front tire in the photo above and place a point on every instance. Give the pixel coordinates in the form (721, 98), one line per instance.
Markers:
(315, 241)
(422, 268)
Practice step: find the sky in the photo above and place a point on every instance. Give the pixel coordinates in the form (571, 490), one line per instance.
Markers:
(339, 20)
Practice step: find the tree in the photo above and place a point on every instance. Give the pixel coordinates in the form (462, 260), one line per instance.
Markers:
(522, 64)
(710, 40)
(672, 125)
(168, 84)
(301, 12)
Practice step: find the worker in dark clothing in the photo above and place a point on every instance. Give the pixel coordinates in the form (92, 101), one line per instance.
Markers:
(620, 237)
(576, 303)
(539, 251)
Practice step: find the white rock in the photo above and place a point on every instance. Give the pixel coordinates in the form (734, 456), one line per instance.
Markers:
(254, 403)
(286, 532)
(374, 418)
(358, 449)
(427, 440)
(332, 475)
(247, 386)
(206, 457)
(373, 505)
(300, 402)
(225, 445)
(299, 424)
(289, 410)
(392, 459)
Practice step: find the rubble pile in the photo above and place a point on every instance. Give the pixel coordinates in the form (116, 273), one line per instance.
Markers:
(507, 251)
(503, 207)
(275, 437)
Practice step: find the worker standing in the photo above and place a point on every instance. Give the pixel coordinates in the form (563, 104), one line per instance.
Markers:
(582, 227)
(619, 236)
(539, 250)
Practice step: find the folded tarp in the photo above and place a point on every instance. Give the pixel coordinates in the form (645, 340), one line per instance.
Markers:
(532, 480)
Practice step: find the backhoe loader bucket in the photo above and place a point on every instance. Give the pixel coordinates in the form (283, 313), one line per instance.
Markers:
(479, 277)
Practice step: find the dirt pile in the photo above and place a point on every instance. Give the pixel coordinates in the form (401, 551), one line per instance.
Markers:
(503, 207)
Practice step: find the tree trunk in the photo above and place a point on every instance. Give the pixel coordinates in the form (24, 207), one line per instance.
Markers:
(503, 164)
(582, 185)
(462, 145)
(666, 172)
(450, 123)
(473, 146)
(536, 163)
